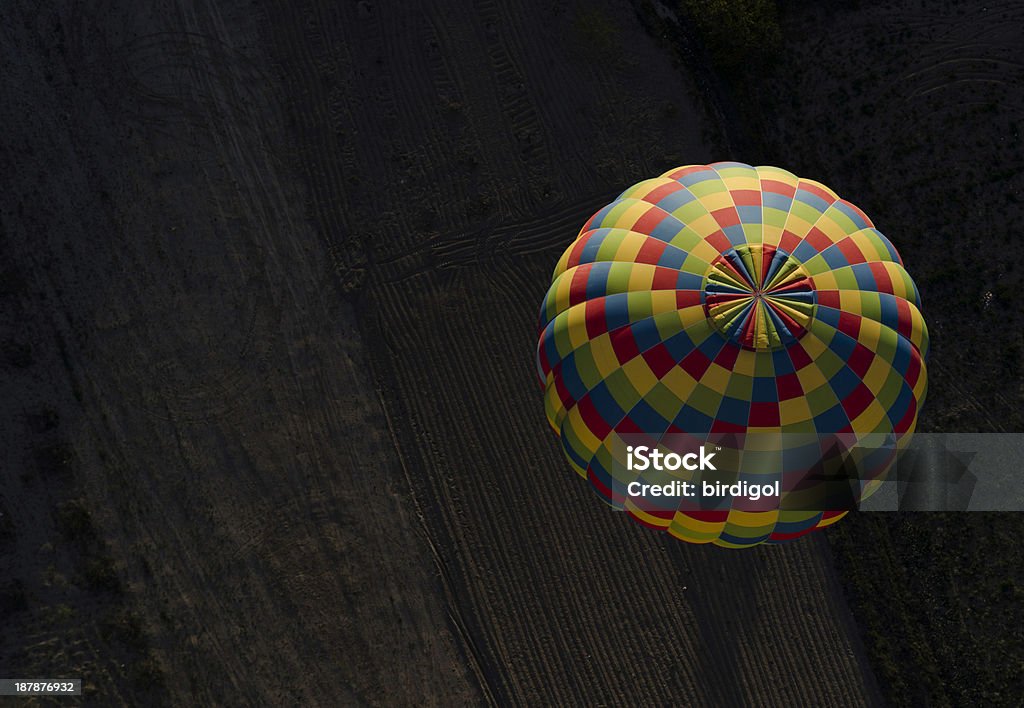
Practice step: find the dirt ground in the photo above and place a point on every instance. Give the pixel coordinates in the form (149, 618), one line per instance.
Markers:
(269, 275)
(175, 332)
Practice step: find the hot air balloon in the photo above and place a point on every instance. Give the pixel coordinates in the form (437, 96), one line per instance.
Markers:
(727, 299)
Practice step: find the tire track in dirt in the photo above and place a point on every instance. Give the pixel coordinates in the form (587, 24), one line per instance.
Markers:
(460, 131)
(545, 232)
(199, 85)
(522, 124)
(336, 198)
(458, 36)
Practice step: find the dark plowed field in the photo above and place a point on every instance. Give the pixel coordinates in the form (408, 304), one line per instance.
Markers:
(269, 275)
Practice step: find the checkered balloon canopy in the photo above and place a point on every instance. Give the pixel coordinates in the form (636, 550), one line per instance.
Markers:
(720, 299)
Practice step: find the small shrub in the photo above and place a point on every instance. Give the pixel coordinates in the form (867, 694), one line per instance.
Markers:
(100, 575)
(74, 522)
(12, 598)
(737, 33)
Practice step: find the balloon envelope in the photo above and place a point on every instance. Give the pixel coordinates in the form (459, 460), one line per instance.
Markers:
(728, 299)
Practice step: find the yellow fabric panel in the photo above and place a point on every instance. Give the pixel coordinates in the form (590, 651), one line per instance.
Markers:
(746, 363)
(717, 200)
(644, 516)
(704, 226)
(682, 521)
(753, 519)
(640, 374)
(716, 378)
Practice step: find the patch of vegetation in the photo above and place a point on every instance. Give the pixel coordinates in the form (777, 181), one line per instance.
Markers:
(597, 30)
(147, 675)
(44, 421)
(123, 627)
(938, 597)
(74, 522)
(738, 34)
(12, 598)
(100, 574)
(97, 570)
(62, 613)
(54, 458)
